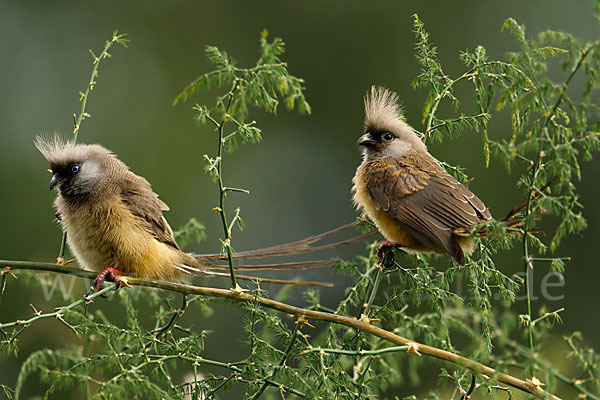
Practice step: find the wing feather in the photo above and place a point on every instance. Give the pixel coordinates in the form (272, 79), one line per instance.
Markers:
(137, 194)
(427, 201)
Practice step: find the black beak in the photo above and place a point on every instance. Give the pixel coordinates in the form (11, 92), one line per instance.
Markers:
(366, 140)
(56, 179)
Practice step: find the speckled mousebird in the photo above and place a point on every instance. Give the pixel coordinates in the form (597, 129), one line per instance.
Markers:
(413, 201)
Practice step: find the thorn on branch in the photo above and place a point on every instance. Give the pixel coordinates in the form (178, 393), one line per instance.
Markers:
(535, 382)
(302, 320)
(238, 290)
(413, 348)
(62, 262)
(365, 319)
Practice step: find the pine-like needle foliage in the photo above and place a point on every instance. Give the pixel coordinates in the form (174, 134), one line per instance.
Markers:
(553, 129)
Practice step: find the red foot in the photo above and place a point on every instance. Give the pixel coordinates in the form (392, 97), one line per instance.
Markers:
(385, 253)
(110, 275)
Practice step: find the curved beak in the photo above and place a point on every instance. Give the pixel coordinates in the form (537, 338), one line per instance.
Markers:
(56, 179)
(366, 140)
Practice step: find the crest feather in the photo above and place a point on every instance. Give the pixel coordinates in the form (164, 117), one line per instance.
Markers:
(382, 109)
(60, 151)
(52, 147)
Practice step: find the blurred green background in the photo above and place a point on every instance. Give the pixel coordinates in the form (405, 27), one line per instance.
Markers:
(299, 176)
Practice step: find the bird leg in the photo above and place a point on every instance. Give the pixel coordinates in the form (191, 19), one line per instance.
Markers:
(110, 275)
(385, 253)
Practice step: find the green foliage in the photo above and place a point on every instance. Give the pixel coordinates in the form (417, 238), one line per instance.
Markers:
(260, 86)
(192, 231)
(473, 310)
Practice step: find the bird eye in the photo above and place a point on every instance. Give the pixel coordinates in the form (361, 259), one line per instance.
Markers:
(387, 137)
(75, 169)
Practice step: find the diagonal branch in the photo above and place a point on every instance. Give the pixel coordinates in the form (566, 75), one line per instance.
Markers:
(359, 324)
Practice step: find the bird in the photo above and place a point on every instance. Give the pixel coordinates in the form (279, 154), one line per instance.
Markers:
(113, 219)
(115, 225)
(404, 190)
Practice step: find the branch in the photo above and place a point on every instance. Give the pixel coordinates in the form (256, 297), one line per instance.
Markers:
(359, 324)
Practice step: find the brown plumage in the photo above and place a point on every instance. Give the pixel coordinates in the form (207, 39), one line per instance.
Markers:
(111, 215)
(404, 190)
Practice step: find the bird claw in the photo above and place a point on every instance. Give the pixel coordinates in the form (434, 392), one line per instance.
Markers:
(62, 262)
(124, 282)
(385, 253)
(111, 275)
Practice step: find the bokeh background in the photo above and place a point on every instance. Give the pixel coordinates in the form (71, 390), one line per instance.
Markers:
(299, 176)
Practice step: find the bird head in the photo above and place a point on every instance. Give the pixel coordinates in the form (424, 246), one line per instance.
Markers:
(386, 134)
(76, 168)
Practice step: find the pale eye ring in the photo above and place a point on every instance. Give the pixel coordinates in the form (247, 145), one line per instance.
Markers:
(387, 137)
(75, 169)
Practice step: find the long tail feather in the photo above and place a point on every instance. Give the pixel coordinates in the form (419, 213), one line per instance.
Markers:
(297, 247)
(203, 265)
(282, 266)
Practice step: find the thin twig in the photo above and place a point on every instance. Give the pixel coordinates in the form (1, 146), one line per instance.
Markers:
(548, 367)
(528, 263)
(284, 357)
(374, 290)
(176, 314)
(385, 350)
(3, 275)
(59, 311)
(472, 72)
(222, 192)
(161, 359)
(78, 119)
(116, 38)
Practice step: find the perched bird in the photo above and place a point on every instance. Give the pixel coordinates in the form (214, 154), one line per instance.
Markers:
(115, 225)
(413, 201)
(113, 219)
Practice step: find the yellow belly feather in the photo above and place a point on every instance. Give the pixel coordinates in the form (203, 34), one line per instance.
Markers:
(113, 237)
